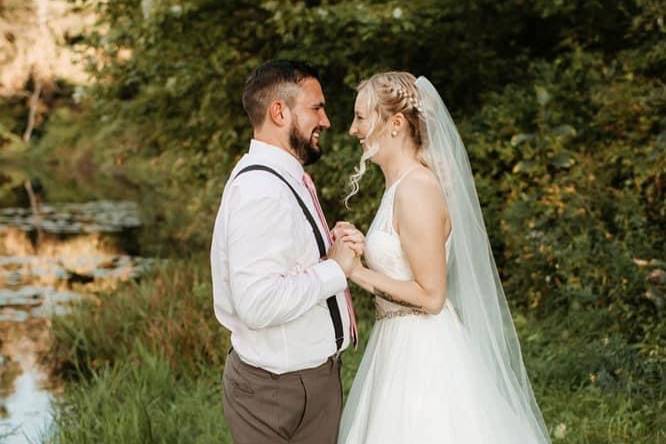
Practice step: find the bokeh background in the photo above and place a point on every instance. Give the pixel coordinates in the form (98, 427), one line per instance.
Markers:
(561, 104)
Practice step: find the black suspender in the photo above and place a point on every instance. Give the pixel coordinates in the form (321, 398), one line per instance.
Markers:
(331, 302)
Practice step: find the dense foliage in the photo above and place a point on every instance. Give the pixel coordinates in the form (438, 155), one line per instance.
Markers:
(562, 106)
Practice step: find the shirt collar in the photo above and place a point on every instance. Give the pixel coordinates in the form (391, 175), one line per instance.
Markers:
(276, 156)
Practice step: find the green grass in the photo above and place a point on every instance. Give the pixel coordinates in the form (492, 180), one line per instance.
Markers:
(167, 313)
(141, 400)
(593, 385)
(144, 365)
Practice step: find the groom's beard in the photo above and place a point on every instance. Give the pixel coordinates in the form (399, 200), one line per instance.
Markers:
(305, 148)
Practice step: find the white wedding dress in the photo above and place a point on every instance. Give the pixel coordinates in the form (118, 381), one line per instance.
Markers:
(419, 380)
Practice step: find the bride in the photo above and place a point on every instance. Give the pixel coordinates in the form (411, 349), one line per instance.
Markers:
(443, 362)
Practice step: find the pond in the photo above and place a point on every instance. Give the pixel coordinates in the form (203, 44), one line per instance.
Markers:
(52, 255)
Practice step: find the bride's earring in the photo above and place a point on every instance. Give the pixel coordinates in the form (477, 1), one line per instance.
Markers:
(394, 133)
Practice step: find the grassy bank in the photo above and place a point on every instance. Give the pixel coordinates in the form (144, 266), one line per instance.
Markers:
(144, 400)
(144, 365)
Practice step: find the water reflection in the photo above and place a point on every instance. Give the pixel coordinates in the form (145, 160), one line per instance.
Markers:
(29, 407)
(26, 392)
(92, 217)
(49, 259)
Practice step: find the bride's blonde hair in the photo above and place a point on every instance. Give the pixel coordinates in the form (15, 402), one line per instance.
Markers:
(388, 93)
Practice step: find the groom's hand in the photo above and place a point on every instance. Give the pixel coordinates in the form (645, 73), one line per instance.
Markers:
(350, 235)
(341, 253)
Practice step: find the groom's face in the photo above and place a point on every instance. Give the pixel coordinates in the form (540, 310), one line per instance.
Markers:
(309, 119)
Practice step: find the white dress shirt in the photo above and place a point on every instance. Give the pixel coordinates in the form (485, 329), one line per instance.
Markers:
(269, 284)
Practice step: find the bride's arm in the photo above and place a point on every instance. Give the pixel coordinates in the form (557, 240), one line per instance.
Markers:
(423, 224)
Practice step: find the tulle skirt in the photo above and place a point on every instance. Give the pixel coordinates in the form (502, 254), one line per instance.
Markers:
(419, 382)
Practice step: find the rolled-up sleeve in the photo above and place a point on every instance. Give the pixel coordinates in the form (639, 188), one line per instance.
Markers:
(266, 289)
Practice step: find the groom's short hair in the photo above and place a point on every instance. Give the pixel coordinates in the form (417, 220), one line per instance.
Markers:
(271, 81)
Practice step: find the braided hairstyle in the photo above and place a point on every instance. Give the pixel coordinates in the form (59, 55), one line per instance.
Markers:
(389, 93)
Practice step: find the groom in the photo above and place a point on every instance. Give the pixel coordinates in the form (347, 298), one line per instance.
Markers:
(279, 281)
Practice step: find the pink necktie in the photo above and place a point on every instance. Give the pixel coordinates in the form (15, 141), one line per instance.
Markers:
(309, 184)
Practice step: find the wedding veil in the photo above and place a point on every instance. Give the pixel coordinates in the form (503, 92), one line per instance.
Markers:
(474, 286)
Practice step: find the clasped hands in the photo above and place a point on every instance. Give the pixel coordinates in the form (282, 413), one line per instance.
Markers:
(348, 246)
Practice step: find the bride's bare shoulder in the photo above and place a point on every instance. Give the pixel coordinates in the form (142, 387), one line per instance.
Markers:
(419, 202)
(420, 187)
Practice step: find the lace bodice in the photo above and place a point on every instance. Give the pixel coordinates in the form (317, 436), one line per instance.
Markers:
(384, 252)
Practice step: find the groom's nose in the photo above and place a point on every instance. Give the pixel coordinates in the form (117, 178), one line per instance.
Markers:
(323, 120)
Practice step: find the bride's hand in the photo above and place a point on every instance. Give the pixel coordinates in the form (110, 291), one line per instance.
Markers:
(350, 235)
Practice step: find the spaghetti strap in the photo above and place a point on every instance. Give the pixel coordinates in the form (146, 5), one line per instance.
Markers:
(389, 196)
(409, 170)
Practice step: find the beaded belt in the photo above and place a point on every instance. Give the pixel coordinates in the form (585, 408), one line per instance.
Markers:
(397, 313)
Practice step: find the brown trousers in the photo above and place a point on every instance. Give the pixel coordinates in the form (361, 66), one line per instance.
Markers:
(301, 407)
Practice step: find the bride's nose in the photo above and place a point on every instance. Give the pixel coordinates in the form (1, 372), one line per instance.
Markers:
(352, 130)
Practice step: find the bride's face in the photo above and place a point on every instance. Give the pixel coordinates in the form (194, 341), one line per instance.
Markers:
(363, 118)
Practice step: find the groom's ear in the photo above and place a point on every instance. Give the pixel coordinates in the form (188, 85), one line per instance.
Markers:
(279, 113)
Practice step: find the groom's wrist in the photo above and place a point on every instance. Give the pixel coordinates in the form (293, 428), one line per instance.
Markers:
(331, 276)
